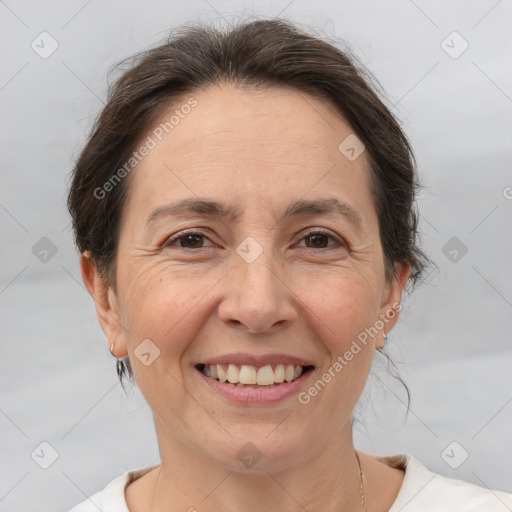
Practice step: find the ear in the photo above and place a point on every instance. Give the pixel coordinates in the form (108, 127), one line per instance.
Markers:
(391, 297)
(106, 303)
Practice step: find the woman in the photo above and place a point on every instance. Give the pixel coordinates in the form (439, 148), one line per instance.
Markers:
(244, 210)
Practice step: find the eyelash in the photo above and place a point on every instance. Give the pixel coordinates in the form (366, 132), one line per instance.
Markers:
(168, 243)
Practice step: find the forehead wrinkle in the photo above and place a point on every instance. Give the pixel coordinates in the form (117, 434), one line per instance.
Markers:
(294, 152)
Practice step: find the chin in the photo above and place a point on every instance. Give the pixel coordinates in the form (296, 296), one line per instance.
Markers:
(259, 450)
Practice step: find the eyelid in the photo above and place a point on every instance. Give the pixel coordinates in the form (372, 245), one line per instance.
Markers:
(322, 231)
(197, 231)
(191, 231)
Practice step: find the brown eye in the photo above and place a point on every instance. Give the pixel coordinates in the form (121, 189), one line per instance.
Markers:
(320, 240)
(190, 240)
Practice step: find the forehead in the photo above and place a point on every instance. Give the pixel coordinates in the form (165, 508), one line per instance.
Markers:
(266, 124)
(256, 144)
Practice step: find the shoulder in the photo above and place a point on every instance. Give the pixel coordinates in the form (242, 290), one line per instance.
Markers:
(112, 497)
(424, 490)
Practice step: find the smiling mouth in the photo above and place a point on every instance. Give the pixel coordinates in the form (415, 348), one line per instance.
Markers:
(249, 376)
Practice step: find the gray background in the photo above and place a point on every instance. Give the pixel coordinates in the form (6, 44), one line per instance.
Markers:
(452, 344)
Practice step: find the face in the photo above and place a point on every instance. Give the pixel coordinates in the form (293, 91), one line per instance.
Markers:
(286, 268)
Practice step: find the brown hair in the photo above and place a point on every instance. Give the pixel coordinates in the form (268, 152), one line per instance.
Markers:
(262, 53)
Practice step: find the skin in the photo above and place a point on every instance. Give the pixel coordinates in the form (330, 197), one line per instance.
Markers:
(261, 150)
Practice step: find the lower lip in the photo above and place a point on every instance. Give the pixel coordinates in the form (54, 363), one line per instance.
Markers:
(255, 396)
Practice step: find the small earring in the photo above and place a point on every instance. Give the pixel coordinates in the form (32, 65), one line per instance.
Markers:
(120, 364)
(385, 336)
(120, 368)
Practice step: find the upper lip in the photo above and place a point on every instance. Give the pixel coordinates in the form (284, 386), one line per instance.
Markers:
(254, 360)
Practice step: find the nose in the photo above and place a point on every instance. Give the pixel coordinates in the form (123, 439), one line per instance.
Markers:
(258, 298)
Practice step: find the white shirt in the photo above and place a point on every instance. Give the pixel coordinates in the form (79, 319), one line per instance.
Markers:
(422, 491)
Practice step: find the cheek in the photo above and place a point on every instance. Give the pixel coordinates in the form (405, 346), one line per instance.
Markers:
(162, 318)
(161, 306)
(340, 304)
(169, 306)
(340, 312)
(339, 315)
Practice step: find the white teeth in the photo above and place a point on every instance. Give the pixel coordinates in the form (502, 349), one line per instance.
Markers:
(220, 372)
(279, 373)
(266, 376)
(250, 375)
(247, 375)
(233, 374)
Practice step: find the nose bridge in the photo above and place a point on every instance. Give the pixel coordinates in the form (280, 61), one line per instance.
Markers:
(256, 298)
(255, 267)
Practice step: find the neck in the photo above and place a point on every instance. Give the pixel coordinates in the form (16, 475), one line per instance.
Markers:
(329, 479)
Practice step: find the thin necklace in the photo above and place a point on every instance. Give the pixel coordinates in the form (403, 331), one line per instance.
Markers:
(363, 500)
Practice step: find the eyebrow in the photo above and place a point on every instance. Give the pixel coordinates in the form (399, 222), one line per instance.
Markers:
(297, 208)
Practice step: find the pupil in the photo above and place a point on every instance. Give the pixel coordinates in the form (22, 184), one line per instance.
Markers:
(315, 239)
(188, 238)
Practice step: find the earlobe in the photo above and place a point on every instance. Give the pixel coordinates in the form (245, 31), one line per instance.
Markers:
(391, 304)
(105, 303)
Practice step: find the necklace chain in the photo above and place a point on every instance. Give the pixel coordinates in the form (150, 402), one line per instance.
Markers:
(363, 500)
